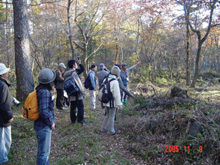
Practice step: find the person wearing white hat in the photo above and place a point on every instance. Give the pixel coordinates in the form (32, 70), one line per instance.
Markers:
(6, 115)
(59, 85)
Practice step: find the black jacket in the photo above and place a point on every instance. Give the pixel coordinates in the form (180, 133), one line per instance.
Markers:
(5, 104)
(80, 70)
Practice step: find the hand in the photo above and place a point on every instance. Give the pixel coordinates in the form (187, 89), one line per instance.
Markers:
(11, 120)
(120, 108)
(79, 61)
(132, 95)
(53, 126)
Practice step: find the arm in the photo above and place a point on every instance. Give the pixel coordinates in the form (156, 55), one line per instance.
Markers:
(5, 108)
(80, 70)
(116, 93)
(123, 88)
(43, 106)
(59, 77)
(131, 68)
(92, 78)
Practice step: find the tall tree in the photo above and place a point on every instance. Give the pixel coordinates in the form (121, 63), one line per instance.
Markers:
(188, 6)
(25, 83)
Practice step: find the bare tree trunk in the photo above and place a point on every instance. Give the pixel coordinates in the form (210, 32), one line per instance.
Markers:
(69, 27)
(187, 54)
(197, 64)
(25, 83)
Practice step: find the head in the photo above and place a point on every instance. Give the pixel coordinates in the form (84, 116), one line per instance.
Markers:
(115, 71)
(124, 66)
(72, 64)
(101, 66)
(3, 71)
(46, 76)
(93, 68)
(62, 66)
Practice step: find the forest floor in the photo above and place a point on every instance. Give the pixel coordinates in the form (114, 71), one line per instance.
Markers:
(77, 144)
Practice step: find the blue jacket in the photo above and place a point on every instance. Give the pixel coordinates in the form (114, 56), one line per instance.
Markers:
(125, 75)
(92, 78)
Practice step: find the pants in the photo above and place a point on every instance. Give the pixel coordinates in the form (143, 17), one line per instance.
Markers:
(108, 123)
(124, 97)
(60, 98)
(5, 143)
(92, 99)
(80, 115)
(44, 143)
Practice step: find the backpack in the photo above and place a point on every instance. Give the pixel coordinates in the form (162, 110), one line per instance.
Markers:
(70, 86)
(105, 94)
(30, 109)
(87, 82)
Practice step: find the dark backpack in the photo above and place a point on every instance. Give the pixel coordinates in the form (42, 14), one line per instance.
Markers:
(105, 94)
(70, 86)
(87, 82)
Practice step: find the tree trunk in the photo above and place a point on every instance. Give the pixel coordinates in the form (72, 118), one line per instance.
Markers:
(25, 83)
(187, 55)
(197, 64)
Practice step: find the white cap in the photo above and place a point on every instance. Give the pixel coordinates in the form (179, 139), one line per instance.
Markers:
(62, 65)
(3, 69)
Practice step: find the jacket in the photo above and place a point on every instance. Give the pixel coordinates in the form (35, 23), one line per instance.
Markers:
(45, 107)
(80, 70)
(78, 82)
(5, 104)
(114, 88)
(92, 79)
(125, 75)
(59, 80)
(101, 75)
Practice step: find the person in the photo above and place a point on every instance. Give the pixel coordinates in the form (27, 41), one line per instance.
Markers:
(125, 79)
(6, 115)
(59, 85)
(45, 124)
(102, 73)
(92, 86)
(81, 68)
(76, 101)
(108, 123)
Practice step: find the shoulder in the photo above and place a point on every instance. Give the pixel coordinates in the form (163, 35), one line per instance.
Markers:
(44, 93)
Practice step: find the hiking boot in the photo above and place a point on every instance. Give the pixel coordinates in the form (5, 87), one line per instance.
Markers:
(83, 122)
(112, 134)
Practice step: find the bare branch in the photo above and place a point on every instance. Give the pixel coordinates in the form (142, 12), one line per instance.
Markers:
(93, 52)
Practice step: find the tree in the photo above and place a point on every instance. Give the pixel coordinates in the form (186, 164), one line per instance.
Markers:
(25, 83)
(188, 7)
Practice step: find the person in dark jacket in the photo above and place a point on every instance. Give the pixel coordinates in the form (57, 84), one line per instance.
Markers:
(102, 73)
(59, 85)
(46, 122)
(6, 115)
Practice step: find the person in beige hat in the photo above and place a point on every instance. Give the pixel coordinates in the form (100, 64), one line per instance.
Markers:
(6, 115)
(112, 106)
(59, 85)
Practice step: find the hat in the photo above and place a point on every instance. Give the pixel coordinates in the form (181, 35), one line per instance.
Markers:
(46, 76)
(3, 69)
(124, 64)
(101, 66)
(62, 65)
(115, 71)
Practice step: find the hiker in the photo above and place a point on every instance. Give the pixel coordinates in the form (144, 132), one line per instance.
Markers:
(125, 79)
(46, 122)
(59, 85)
(108, 123)
(6, 115)
(102, 73)
(76, 101)
(92, 86)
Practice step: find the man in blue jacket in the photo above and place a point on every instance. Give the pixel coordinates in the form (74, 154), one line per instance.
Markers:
(93, 86)
(6, 116)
